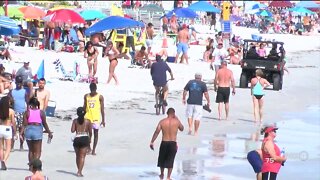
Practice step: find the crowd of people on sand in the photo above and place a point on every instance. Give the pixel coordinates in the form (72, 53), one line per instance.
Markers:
(24, 106)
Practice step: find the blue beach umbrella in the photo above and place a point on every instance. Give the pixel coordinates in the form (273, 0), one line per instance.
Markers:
(204, 7)
(264, 13)
(300, 10)
(259, 6)
(113, 22)
(40, 72)
(181, 13)
(308, 4)
(92, 14)
(8, 26)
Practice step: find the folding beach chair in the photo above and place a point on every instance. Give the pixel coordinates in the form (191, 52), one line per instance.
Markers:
(65, 76)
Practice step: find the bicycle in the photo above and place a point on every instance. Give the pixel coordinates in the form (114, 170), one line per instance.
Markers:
(160, 104)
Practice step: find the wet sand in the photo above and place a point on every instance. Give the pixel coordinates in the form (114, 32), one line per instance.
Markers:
(217, 153)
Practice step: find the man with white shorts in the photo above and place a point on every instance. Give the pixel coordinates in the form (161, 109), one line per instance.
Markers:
(196, 89)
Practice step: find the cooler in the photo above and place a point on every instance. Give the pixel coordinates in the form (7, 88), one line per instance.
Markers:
(256, 37)
(51, 109)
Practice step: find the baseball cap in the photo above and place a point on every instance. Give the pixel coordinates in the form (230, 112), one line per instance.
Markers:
(270, 129)
(19, 79)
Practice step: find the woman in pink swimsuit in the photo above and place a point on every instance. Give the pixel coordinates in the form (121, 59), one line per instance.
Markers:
(34, 120)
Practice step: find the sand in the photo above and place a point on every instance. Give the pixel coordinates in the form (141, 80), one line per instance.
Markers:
(217, 153)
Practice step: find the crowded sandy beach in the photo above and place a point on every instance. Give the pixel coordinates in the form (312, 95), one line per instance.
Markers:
(71, 82)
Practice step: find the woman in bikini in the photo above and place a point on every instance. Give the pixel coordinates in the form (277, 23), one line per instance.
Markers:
(81, 142)
(34, 120)
(91, 53)
(257, 86)
(112, 53)
(6, 121)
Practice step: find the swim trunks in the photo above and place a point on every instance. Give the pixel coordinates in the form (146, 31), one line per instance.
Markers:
(223, 94)
(19, 119)
(182, 47)
(255, 161)
(167, 153)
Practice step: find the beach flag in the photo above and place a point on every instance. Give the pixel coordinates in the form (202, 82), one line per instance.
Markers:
(40, 72)
(115, 11)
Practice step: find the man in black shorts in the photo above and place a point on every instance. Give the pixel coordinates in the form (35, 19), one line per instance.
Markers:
(223, 78)
(168, 148)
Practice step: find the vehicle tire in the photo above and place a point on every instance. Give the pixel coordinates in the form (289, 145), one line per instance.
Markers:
(276, 82)
(243, 80)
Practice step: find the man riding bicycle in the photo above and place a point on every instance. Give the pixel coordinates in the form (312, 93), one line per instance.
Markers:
(159, 77)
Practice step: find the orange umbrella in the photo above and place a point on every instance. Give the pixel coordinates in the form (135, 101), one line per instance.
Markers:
(30, 12)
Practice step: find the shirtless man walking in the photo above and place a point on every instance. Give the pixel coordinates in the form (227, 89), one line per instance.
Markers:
(222, 80)
(182, 46)
(94, 106)
(42, 94)
(168, 148)
(149, 37)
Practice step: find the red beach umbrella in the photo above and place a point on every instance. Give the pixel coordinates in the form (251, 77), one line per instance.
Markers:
(280, 4)
(30, 12)
(64, 15)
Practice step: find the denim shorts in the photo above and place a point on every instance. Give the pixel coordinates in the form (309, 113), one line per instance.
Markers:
(33, 132)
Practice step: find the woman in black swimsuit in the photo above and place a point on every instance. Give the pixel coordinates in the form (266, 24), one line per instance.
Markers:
(112, 53)
(91, 53)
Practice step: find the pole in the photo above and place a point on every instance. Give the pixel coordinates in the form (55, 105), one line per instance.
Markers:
(6, 8)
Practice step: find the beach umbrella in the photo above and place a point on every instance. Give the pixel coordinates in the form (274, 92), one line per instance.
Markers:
(8, 26)
(40, 72)
(64, 15)
(92, 14)
(204, 7)
(258, 6)
(308, 4)
(30, 12)
(113, 22)
(13, 12)
(181, 13)
(151, 8)
(264, 13)
(300, 10)
(280, 4)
